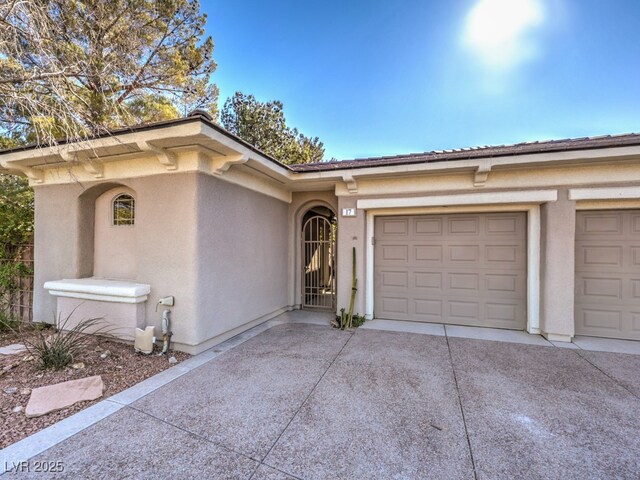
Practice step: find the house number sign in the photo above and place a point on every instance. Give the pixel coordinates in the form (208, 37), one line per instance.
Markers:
(348, 212)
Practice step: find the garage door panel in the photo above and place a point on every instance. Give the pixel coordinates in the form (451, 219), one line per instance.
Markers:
(428, 226)
(395, 253)
(428, 308)
(502, 254)
(505, 313)
(599, 256)
(433, 254)
(602, 287)
(467, 269)
(464, 281)
(395, 279)
(602, 319)
(507, 225)
(603, 224)
(463, 312)
(499, 282)
(464, 226)
(607, 291)
(464, 253)
(428, 280)
(395, 305)
(395, 226)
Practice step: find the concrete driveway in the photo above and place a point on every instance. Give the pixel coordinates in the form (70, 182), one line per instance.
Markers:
(307, 401)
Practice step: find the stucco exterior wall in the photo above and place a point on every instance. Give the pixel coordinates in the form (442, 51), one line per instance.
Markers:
(165, 243)
(351, 233)
(219, 235)
(556, 244)
(242, 259)
(557, 272)
(56, 243)
(114, 248)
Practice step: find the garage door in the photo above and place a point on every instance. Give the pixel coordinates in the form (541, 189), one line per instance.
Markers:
(465, 269)
(607, 300)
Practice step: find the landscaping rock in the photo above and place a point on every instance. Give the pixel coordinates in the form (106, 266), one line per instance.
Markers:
(13, 349)
(62, 395)
(10, 390)
(105, 354)
(173, 360)
(25, 391)
(77, 366)
(17, 409)
(28, 358)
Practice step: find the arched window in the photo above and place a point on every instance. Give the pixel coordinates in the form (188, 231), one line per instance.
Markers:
(124, 210)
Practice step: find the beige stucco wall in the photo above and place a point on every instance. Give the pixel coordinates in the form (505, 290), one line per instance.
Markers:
(557, 269)
(242, 263)
(165, 243)
(221, 250)
(231, 256)
(114, 250)
(557, 222)
(56, 243)
(351, 233)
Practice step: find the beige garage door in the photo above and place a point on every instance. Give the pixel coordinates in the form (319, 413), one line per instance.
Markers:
(465, 269)
(607, 300)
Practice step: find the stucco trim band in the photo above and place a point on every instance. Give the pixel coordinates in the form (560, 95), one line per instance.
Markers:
(605, 193)
(489, 198)
(99, 289)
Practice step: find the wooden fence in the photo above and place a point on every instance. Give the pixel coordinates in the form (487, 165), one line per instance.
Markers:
(19, 300)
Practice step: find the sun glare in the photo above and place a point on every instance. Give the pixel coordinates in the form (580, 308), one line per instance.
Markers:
(498, 30)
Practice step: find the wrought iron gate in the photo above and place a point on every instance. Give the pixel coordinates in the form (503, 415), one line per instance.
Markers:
(318, 263)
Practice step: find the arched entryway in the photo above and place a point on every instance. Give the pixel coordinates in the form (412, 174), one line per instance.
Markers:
(319, 229)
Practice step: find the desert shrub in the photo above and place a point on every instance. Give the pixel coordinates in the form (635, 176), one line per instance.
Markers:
(343, 321)
(58, 347)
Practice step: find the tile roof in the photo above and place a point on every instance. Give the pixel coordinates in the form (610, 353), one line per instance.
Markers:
(584, 143)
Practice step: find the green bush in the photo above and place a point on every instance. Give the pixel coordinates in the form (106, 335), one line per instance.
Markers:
(16, 231)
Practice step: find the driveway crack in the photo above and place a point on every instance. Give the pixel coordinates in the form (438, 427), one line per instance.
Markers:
(464, 420)
(194, 434)
(300, 408)
(614, 380)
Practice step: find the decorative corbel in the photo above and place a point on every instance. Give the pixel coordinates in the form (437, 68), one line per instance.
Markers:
(91, 166)
(165, 157)
(352, 184)
(94, 168)
(34, 176)
(219, 165)
(481, 174)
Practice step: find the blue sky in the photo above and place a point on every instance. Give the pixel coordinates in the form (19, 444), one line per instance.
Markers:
(375, 78)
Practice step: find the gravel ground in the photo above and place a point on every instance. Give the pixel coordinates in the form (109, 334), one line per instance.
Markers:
(121, 369)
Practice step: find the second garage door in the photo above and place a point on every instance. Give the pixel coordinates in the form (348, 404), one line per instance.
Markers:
(465, 269)
(608, 274)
